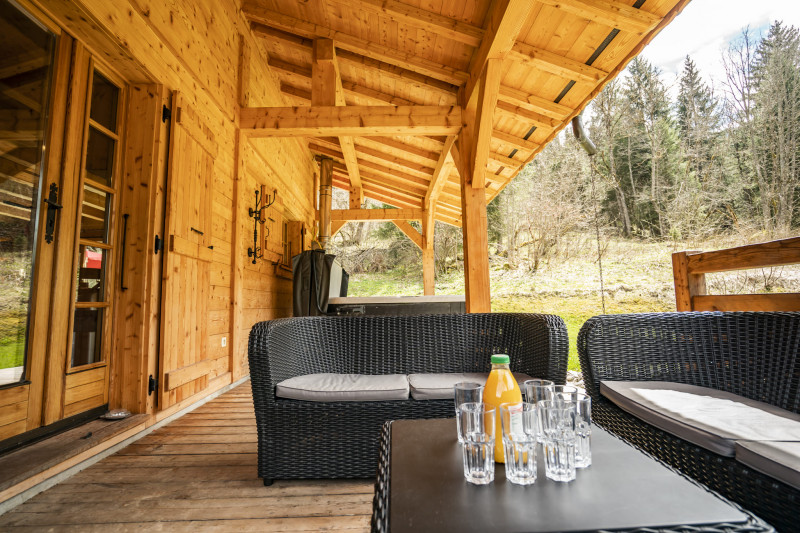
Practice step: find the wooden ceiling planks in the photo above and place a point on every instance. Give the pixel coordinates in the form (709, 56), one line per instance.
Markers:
(420, 52)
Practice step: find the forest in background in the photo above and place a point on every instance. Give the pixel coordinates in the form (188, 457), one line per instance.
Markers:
(686, 165)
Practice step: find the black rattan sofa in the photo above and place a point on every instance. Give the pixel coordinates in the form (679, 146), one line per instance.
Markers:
(754, 355)
(304, 439)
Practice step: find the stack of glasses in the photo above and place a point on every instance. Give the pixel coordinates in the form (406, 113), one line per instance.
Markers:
(555, 416)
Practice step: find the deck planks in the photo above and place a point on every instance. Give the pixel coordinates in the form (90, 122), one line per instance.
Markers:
(196, 474)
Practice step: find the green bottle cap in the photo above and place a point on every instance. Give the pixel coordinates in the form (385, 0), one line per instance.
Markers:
(500, 359)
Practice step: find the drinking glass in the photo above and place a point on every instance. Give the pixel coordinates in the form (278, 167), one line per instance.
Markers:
(466, 392)
(583, 431)
(563, 393)
(519, 441)
(478, 433)
(537, 390)
(557, 420)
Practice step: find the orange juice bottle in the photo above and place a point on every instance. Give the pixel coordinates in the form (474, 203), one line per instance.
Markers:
(501, 387)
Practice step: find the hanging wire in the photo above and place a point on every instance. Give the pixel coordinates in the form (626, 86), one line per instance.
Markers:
(597, 232)
(587, 144)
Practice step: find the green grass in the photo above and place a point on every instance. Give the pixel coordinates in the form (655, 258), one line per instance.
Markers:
(575, 311)
(12, 354)
(637, 278)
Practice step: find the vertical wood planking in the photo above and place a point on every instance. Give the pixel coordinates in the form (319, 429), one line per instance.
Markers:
(143, 170)
(188, 280)
(60, 321)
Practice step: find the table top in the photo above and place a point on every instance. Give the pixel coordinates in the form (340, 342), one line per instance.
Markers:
(623, 489)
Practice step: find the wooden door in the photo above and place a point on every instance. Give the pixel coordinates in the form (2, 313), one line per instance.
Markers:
(184, 361)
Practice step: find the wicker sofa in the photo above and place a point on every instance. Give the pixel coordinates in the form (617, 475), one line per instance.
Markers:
(753, 355)
(305, 439)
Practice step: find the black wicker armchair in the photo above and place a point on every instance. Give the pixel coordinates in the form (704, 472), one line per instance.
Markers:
(303, 439)
(755, 355)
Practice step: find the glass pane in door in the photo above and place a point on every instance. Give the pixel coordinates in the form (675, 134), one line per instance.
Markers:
(87, 333)
(25, 70)
(93, 296)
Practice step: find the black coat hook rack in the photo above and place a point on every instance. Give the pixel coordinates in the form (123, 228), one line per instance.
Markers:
(263, 201)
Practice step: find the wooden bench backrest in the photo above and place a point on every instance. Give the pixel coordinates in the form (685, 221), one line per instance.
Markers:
(690, 268)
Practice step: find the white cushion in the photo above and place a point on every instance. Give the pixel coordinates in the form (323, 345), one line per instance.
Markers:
(344, 388)
(709, 418)
(440, 386)
(780, 460)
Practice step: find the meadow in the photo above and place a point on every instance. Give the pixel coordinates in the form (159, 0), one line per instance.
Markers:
(637, 278)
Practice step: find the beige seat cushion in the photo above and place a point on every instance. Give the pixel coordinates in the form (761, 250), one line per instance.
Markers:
(344, 388)
(780, 460)
(709, 418)
(440, 386)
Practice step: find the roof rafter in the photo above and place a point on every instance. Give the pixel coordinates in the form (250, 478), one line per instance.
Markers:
(534, 103)
(526, 115)
(378, 194)
(505, 160)
(369, 155)
(403, 147)
(609, 12)
(254, 11)
(556, 64)
(514, 140)
(411, 16)
(383, 173)
(295, 42)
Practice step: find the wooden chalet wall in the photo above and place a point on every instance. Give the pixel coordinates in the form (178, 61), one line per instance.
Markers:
(193, 46)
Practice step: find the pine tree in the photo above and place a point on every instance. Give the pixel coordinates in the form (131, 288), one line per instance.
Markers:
(699, 200)
(777, 78)
(654, 139)
(764, 102)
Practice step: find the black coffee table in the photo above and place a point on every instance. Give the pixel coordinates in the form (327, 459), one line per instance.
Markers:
(421, 487)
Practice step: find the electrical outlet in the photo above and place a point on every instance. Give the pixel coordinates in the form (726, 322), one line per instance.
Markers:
(224, 341)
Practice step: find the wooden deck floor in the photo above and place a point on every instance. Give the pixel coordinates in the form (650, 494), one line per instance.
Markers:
(196, 474)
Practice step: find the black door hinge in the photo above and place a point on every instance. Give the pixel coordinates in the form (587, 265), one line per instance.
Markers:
(166, 114)
(152, 385)
(159, 245)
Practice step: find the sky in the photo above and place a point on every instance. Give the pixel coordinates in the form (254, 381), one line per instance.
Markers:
(706, 28)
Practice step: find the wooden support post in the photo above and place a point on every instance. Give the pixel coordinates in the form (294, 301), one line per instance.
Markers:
(356, 197)
(238, 345)
(687, 285)
(325, 198)
(428, 265)
(476, 248)
(472, 169)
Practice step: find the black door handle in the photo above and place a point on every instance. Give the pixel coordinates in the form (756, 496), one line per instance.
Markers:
(122, 259)
(52, 208)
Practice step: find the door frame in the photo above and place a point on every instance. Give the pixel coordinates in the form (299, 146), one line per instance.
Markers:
(51, 310)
